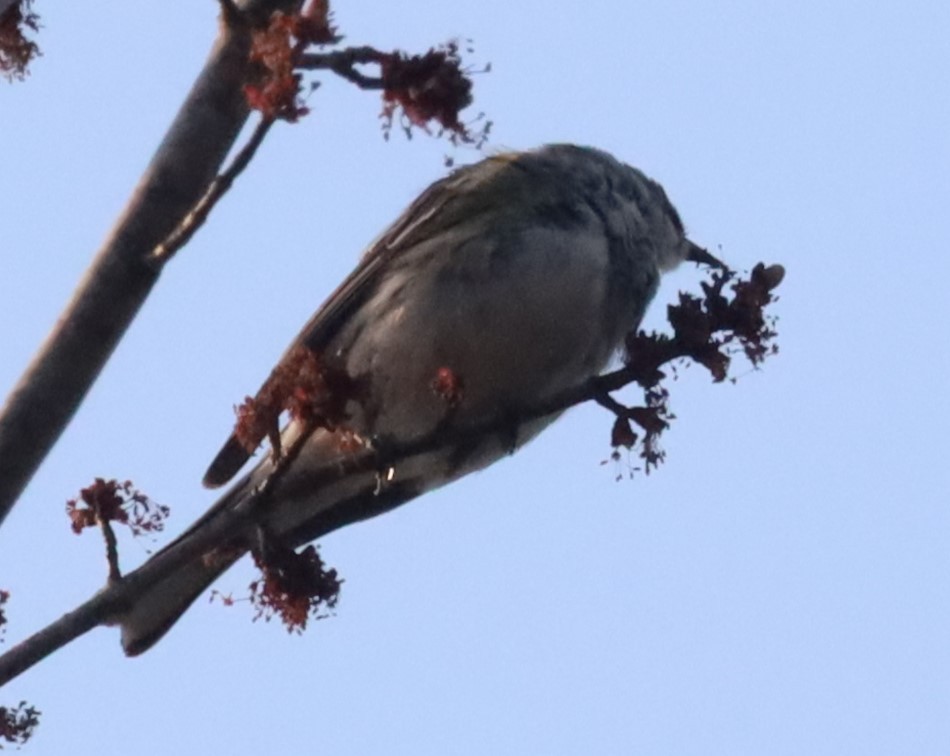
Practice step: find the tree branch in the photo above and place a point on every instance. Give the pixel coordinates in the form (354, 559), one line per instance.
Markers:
(196, 218)
(124, 271)
(344, 62)
(703, 328)
(111, 601)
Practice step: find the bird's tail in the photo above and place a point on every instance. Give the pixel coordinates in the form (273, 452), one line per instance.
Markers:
(302, 511)
(153, 614)
(158, 607)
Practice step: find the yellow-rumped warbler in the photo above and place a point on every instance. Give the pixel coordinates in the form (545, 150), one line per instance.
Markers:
(516, 277)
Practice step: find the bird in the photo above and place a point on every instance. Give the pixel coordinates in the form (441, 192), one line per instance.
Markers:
(504, 283)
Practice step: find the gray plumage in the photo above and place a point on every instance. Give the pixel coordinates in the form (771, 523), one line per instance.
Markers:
(520, 274)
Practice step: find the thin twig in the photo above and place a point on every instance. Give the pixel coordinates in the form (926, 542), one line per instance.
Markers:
(196, 218)
(343, 63)
(606, 401)
(112, 550)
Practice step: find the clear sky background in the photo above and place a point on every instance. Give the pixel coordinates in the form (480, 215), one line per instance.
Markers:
(780, 586)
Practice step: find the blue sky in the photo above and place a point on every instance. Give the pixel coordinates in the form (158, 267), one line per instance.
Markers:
(779, 586)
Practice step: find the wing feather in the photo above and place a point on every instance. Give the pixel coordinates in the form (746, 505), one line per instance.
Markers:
(442, 205)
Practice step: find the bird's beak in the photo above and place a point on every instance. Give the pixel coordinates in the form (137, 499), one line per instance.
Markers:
(701, 256)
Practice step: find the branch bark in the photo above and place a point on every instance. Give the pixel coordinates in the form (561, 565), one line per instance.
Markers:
(123, 272)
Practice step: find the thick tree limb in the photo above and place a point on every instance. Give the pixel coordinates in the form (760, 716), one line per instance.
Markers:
(124, 271)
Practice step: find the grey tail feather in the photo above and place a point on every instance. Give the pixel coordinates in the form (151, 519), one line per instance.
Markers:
(160, 607)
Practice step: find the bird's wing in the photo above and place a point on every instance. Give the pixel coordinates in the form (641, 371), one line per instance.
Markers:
(444, 204)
